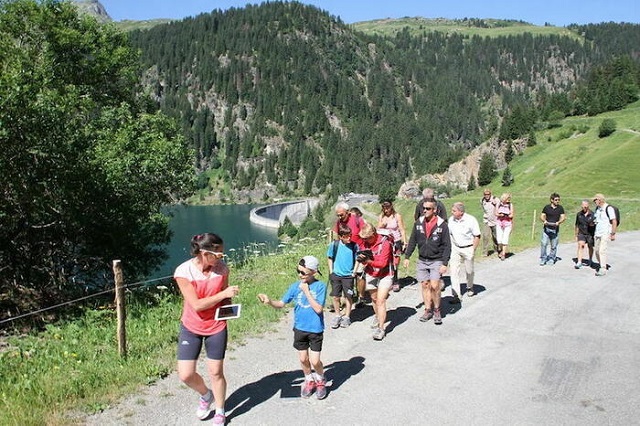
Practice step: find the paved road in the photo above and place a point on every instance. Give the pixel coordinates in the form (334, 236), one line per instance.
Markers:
(537, 345)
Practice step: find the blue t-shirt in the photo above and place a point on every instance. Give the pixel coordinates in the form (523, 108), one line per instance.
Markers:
(304, 317)
(345, 258)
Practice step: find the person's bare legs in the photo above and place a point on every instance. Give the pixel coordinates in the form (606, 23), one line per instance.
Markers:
(218, 381)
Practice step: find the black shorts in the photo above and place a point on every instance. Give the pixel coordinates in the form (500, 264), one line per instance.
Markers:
(586, 238)
(190, 345)
(341, 286)
(303, 340)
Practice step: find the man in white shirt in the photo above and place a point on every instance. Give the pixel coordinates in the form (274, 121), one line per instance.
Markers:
(464, 231)
(606, 226)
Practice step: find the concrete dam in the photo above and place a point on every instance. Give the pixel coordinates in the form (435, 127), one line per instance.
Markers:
(272, 215)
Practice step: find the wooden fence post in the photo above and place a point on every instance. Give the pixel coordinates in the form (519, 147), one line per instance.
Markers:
(533, 225)
(120, 308)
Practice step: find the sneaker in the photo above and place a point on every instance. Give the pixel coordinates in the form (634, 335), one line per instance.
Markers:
(378, 334)
(551, 262)
(437, 318)
(428, 314)
(601, 272)
(203, 407)
(395, 287)
(335, 322)
(321, 389)
(542, 262)
(374, 322)
(345, 322)
(578, 265)
(307, 388)
(219, 419)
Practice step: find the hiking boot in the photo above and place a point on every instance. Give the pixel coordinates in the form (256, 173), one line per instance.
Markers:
(203, 406)
(437, 318)
(345, 322)
(374, 322)
(219, 419)
(428, 314)
(321, 389)
(335, 322)
(307, 388)
(378, 334)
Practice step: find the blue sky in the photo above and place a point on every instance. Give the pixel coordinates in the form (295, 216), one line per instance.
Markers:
(555, 12)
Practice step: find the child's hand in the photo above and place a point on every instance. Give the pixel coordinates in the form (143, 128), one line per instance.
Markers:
(303, 285)
(264, 298)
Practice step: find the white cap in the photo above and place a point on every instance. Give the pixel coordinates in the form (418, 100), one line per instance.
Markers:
(309, 262)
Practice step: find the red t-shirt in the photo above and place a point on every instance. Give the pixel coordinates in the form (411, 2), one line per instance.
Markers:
(354, 223)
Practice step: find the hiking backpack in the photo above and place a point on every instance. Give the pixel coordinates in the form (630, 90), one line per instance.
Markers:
(616, 213)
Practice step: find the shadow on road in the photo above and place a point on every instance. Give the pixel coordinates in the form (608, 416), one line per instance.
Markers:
(287, 383)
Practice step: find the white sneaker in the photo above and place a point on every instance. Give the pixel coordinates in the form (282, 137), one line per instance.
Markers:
(203, 407)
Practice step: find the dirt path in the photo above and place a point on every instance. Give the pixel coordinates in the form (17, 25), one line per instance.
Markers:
(537, 344)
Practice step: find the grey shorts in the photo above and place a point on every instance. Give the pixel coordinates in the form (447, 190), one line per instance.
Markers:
(190, 345)
(341, 286)
(428, 270)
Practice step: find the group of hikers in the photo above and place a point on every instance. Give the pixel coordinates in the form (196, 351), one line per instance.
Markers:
(363, 262)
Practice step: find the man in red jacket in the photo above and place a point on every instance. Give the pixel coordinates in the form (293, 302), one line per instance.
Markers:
(377, 258)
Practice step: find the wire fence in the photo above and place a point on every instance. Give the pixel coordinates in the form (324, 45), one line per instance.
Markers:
(80, 299)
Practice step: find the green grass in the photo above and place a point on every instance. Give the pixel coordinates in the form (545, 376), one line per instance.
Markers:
(418, 26)
(48, 377)
(75, 366)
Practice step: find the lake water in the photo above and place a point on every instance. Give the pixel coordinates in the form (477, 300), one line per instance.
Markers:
(231, 222)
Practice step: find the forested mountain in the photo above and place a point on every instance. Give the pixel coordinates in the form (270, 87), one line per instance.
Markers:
(284, 98)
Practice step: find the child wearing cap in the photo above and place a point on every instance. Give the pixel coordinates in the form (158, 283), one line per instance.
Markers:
(308, 294)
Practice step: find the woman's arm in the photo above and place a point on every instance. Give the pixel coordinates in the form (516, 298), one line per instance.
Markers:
(201, 304)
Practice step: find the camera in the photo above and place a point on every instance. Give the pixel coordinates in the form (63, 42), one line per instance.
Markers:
(363, 255)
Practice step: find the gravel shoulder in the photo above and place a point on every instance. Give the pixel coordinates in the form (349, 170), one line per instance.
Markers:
(537, 344)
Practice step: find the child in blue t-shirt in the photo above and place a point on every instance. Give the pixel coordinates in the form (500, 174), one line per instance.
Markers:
(308, 323)
(341, 255)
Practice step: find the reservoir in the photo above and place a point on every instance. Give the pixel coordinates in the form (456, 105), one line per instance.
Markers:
(231, 222)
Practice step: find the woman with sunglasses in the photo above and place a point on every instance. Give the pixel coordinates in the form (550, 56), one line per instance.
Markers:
(204, 283)
(308, 295)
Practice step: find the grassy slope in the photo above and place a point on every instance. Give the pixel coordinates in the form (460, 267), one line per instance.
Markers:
(577, 167)
(416, 26)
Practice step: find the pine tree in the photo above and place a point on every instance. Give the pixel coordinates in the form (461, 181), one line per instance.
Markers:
(487, 170)
(507, 177)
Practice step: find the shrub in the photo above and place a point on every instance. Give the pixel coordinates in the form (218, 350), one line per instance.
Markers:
(607, 127)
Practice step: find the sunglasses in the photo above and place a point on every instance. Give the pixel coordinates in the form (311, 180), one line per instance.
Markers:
(427, 208)
(301, 272)
(216, 254)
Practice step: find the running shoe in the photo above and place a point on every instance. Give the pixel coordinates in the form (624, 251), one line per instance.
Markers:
(601, 272)
(374, 322)
(578, 265)
(335, 322)
(219, 419)
(345, 322)
(428, 314)
(307, 388)
(203, 406)
(437, 318)
(378, 334)
(321, 389)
